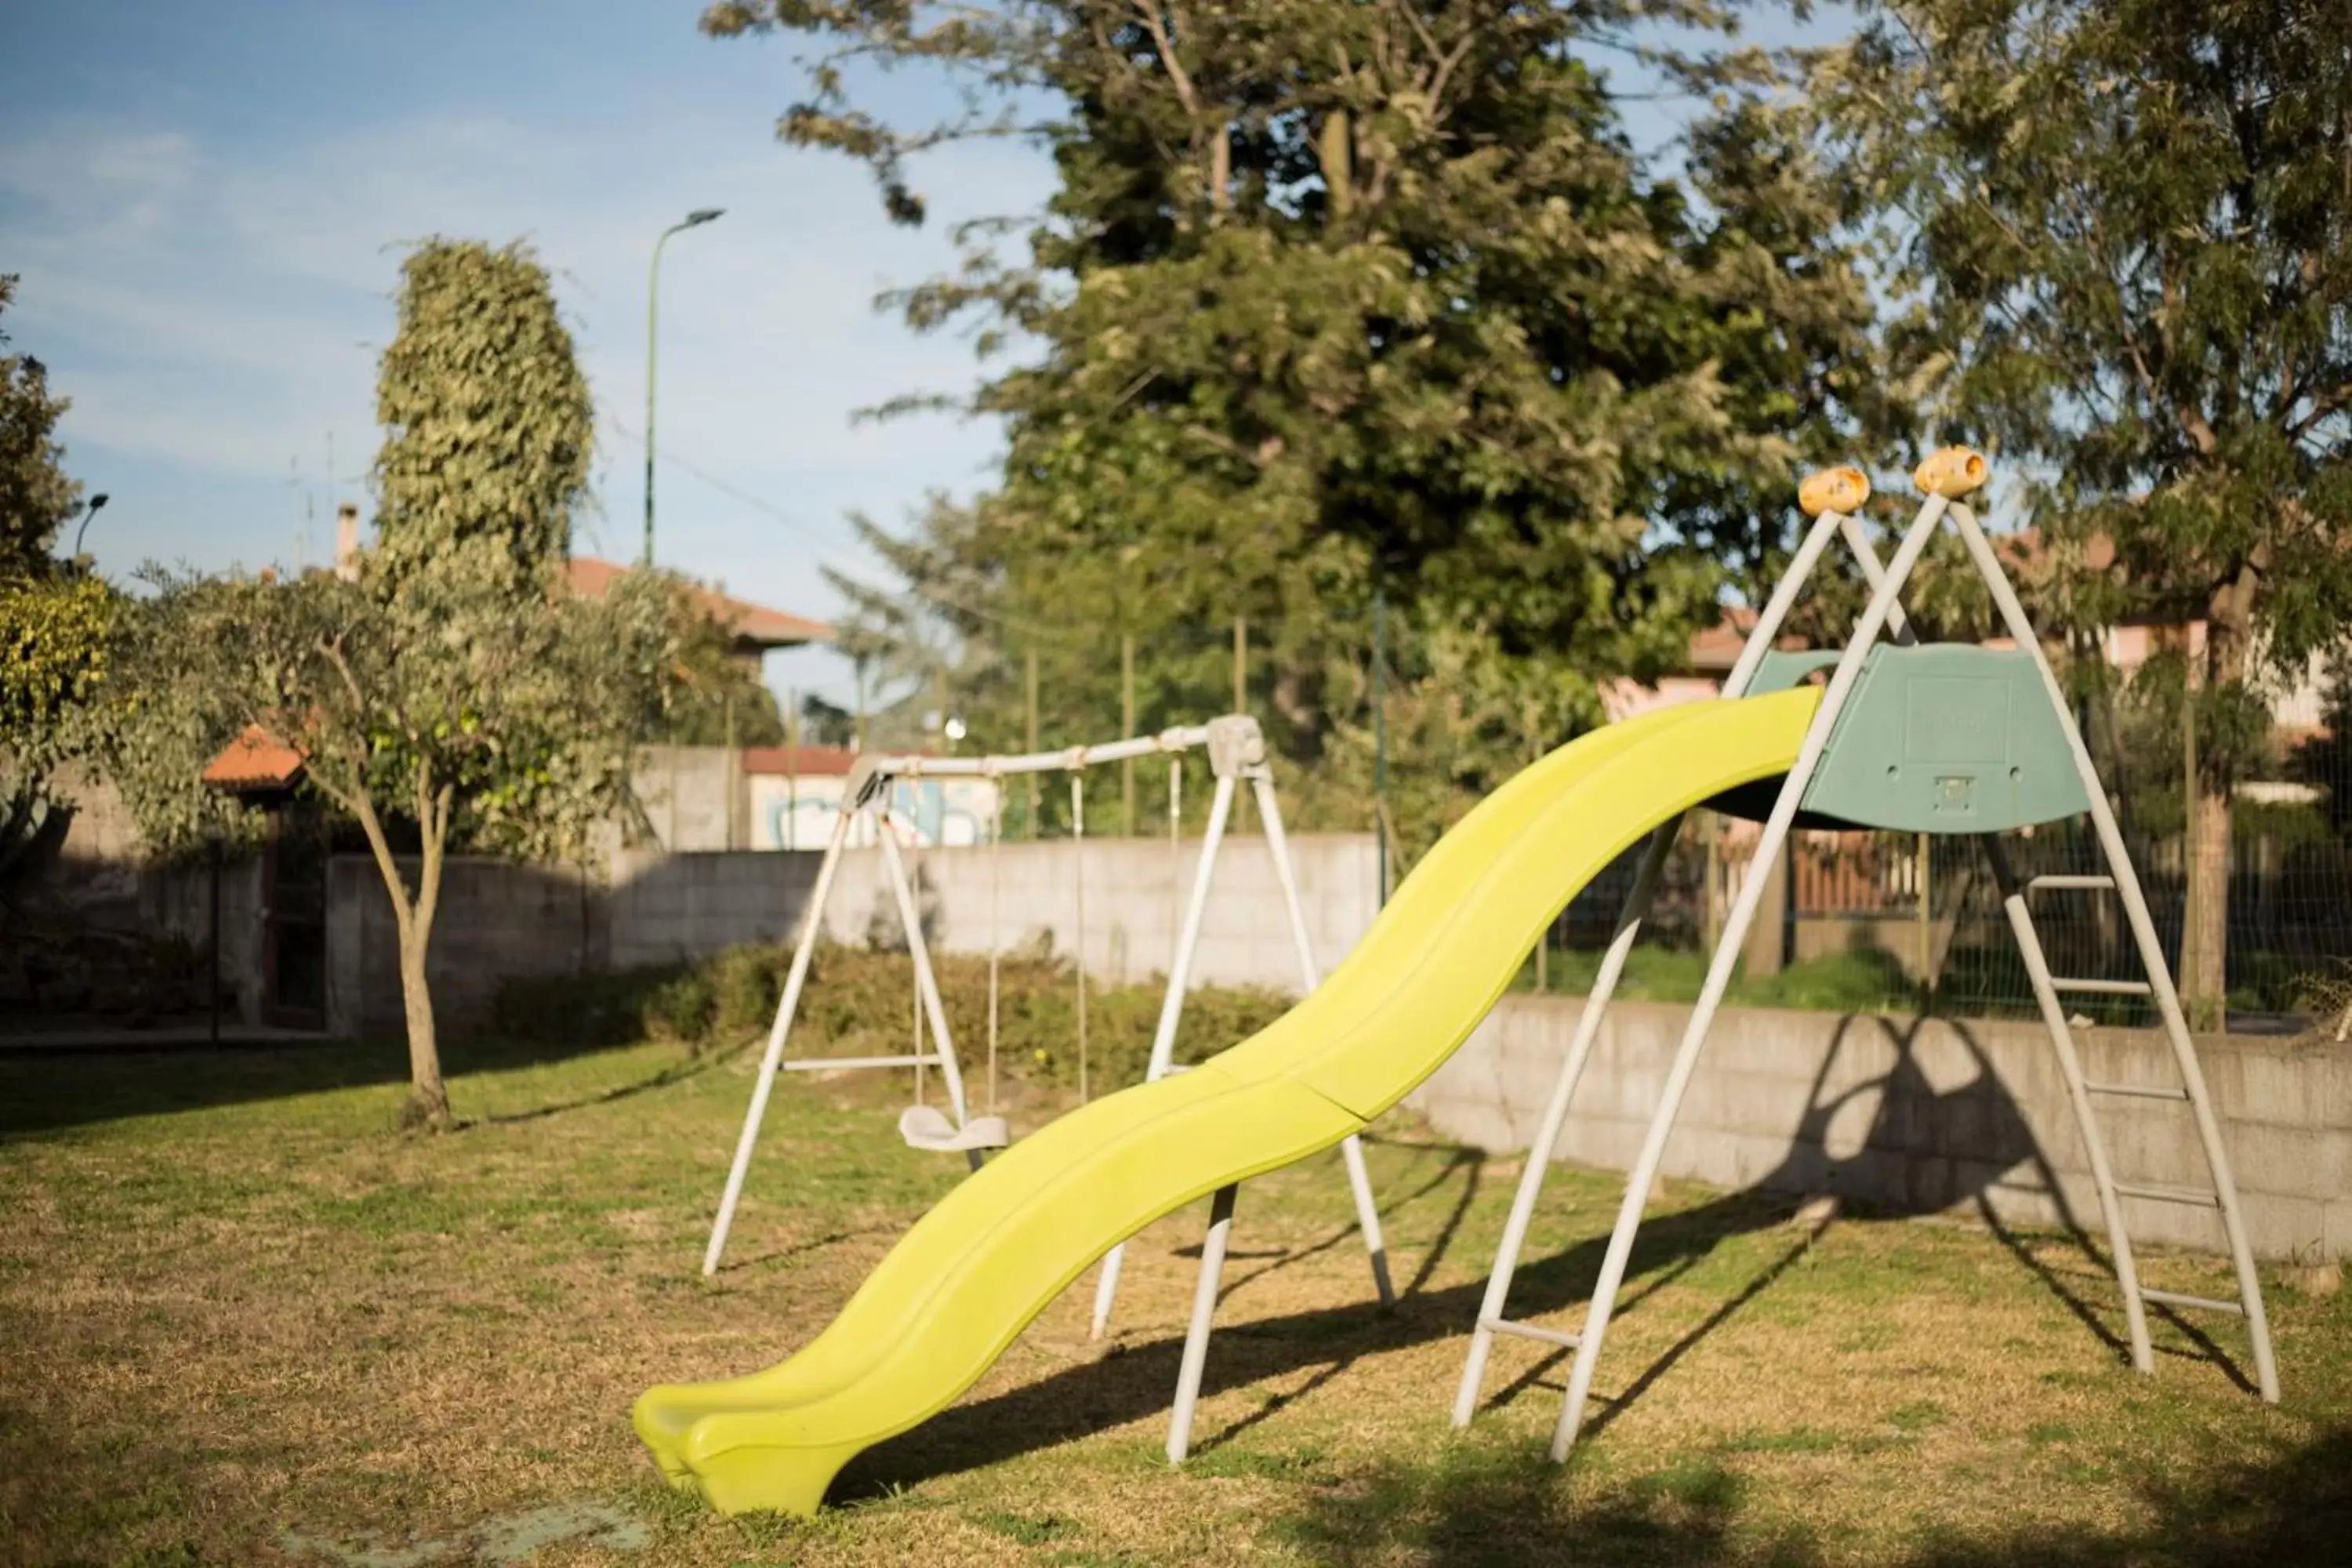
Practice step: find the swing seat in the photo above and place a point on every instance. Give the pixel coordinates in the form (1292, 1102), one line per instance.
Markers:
(927, 1127)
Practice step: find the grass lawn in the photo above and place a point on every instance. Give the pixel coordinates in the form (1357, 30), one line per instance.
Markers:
(245, 1323)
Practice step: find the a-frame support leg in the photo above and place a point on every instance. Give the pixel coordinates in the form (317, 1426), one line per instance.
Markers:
(795, 979)
(1540, 1148)
(1734, 936)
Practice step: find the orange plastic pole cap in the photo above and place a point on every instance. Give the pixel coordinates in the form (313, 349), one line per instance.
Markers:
(1833, 489)
(1953, 472)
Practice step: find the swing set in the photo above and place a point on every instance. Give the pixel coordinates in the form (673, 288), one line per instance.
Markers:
(1235, 750)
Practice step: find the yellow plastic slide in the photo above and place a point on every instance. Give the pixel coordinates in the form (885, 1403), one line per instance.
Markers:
(975, 1269)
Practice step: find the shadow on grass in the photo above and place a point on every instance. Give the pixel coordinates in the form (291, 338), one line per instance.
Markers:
(45, 1094)
(1909, 1118)
(1498, 1510)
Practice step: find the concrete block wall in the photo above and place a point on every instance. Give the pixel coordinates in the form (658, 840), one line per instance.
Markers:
(692, 797)
(665, 907)
(495, 921)
(1924, 1116)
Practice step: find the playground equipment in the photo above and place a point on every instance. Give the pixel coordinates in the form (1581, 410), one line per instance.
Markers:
(1236, 753)
(1926, 738)
(1938, 739)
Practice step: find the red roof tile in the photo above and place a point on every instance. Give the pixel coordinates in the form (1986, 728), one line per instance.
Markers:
(754, 624)
(256, 760)
(819, 762)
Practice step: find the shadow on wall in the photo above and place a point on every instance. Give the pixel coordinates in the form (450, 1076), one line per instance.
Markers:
(1138, 1384)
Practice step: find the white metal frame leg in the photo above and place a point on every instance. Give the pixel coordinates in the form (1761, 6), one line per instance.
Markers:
(1196, 1336)
(1352, 1148)
(812, 922)
(1555, 1116)
(1172, 1010)
(1718, 975)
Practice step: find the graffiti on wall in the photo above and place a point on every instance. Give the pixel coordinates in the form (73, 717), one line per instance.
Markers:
(797, 813)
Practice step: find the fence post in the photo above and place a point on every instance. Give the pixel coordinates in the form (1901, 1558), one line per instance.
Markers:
(1241, 664)
(1033, 747)
(1126, 728)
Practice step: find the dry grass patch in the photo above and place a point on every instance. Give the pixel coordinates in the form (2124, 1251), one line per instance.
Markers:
(246, 1324)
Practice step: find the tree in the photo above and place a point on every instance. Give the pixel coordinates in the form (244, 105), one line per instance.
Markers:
(36, 496)
(2121, 229)
(1333, 301)
(454, 690)
(436, 703)
(489, 427)
(1337, 294)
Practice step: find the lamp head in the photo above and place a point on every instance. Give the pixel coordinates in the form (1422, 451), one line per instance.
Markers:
(704, 214)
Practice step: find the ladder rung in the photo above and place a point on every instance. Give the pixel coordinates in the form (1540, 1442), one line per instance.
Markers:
(2196, 1196)
(2139, 1090)
(2105, 987)
(1566, 1342)
(2202, 1303)
(2100, 883)
(827, 1064)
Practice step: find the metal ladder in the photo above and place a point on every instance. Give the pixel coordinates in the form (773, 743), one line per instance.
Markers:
(1831, 500)
(2084, 1093)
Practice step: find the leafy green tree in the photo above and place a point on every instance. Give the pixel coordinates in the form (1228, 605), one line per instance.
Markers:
(36, 496)
(451, 689)
(439, 703)
(2120, 227)
(489, 427)
(1332, 299)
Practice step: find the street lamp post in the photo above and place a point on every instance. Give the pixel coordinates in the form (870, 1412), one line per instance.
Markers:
(87, 512)
(653, 307)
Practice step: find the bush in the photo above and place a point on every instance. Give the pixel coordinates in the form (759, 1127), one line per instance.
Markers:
(861, 1003)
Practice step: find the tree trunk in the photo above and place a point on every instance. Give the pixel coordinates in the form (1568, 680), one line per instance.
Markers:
(428, 1096)
(2205, 919)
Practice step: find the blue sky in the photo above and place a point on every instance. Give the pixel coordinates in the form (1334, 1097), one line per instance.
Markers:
(206, 203)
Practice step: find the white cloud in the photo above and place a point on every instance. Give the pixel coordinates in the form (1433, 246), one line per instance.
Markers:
(217, 314)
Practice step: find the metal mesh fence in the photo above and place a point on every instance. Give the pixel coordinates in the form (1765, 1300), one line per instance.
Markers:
(1390, 729)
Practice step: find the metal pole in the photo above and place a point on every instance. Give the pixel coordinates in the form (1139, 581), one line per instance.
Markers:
(1079, 890)
(1718, 975)
(1380, 738)
(213, 847)
(1241, 664)
(785, 1008)
(1196, 1333)
(653, 343)
(1126, 728)
(1034, 799)
(1352, 1148)
(1171, 1009)
(1555, 1116)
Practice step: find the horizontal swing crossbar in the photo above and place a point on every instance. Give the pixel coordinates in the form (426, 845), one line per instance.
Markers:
(2101, 883)
(2195, 1197)
(2139, 1090)
(1185, 738)
(827, 1064)
(2105, 987)
(2199, 1303)
(1565, 1341)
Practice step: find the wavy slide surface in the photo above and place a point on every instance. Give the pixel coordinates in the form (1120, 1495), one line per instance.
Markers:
(972, 1272)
